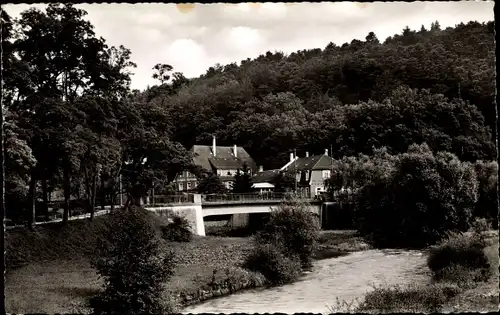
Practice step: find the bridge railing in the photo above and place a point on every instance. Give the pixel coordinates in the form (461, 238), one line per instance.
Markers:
(173, 199)
(246, 197)
(216, 198)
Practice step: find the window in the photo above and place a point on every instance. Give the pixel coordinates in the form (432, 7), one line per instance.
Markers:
(188, 185)
(326, 174)
(228, 173)
(181, 186)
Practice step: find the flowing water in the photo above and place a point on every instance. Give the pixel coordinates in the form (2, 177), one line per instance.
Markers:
(346, 277)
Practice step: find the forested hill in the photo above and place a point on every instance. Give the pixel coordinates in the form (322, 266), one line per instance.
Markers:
(355, 97)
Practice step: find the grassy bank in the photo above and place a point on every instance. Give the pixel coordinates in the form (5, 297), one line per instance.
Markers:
(48, 270)
(464, 279)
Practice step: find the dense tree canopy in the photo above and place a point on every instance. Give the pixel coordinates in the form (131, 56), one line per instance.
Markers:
(74, 124)
(433, 85)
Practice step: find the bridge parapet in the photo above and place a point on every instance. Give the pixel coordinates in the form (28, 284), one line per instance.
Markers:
(174, 199)
(245, 198)
(230, 198)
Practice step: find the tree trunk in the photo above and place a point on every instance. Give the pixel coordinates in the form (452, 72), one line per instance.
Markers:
(112, 200)
(103, 193)
(66, 187)
(128, 202)
(92, 197)
(32, 207)
(45, 193)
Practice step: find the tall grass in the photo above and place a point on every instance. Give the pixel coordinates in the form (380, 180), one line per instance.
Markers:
(409, 299)
(460, 262)
(460, 258)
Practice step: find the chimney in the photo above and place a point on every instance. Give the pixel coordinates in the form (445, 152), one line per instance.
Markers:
(291, 157)
(307, 154)
(214, 147)
(235, 151)
(261, 168)
(326, 152)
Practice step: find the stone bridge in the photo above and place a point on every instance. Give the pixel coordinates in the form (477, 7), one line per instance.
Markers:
(195, 207)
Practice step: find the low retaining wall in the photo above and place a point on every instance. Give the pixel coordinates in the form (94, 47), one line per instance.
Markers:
(222, 288)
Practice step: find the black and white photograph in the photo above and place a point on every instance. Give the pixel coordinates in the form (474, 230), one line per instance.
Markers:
(293, 157)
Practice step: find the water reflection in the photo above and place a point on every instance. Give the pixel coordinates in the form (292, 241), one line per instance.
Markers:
(346, 277)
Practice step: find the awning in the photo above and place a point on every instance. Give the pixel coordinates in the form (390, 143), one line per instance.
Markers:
(262, 185)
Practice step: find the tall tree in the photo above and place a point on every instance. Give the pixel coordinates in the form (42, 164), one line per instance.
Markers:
(162, 72)
(242, 180)
(210, 183)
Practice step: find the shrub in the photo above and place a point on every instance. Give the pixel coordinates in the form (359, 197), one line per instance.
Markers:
(292, 227)
(416, 201)
(133, 267)
(481, 225)
(463, 276)
(177, 231)
(428, 298)
(459, 258)
(487, 203)
(271, 262)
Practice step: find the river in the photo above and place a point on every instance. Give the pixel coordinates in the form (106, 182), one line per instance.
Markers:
(346, 277)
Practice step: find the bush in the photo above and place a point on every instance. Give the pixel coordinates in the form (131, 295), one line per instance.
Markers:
(177, 231)
(133, 267)
(460, 275)
(294, 228)
(459, 258)
(416, 200)
(487, 203)
(481, 225)
(270, 261)
(413, 298)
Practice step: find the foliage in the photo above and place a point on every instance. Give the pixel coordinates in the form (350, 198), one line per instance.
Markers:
(177, 231)
(133, 267)
(242, 180)
(413, 298)
(211, 183)
(19, 160)
(270, 261)
(415, 198)
(70, 95)
(459, 258)
(487, 203)
(342, 306)
(283, 181)
(292, 227)
(304, 99)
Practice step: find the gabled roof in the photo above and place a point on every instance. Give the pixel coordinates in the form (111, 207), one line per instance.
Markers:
(265, 176)
(315, 162)
(224, 158)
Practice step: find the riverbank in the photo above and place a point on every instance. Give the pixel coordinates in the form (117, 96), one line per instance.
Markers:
(49, 269)
(484, 297)
(461, 288)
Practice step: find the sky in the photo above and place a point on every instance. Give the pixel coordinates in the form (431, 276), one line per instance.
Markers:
(193, 37)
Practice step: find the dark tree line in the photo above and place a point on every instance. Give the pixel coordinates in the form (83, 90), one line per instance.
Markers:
(73, 124)
(434, 85)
